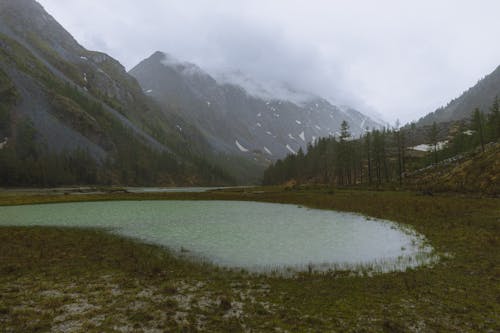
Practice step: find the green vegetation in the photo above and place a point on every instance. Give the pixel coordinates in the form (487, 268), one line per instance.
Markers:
(383, 158)
(8, 97)
(28, 161)
(50, 55)
(56, 278)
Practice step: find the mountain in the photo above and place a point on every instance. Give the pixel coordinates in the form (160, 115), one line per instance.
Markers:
(240, 116)
(479, 96)
(70, 115)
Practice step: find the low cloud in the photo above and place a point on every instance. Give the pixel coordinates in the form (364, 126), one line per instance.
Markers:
(402, 59)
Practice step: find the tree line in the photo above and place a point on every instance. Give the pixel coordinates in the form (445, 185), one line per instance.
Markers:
(382, 156)
(27, 162)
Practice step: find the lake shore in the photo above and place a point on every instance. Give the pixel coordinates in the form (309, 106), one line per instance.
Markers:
(63, 278)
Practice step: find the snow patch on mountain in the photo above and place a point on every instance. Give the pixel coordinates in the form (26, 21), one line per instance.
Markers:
(240, 147)
(427, 147)
(302, 136)
(291, 150)
(363, 124)
(3, 144)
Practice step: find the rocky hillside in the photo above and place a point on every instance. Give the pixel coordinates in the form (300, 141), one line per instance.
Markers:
(60, 100)
(480, 96)
(255, 124)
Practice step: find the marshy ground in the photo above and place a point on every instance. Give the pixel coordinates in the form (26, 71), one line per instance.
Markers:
(84, 280)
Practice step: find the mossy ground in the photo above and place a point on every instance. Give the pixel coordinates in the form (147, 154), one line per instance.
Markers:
(87, 280)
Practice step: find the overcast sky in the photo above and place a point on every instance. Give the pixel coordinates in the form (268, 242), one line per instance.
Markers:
(400, 58)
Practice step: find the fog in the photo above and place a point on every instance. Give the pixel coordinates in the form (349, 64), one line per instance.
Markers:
(401, 59)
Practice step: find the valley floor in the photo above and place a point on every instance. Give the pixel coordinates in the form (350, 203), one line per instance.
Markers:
(71, 280)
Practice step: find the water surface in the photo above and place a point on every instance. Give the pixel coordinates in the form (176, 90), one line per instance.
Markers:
(172, 189)
(251, 235)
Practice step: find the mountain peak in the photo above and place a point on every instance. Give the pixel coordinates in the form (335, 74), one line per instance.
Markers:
(158, 55)
(242, 115)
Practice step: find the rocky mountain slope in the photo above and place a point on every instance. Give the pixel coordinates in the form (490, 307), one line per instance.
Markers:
(59, 98)
(238, 120)
(479, 96)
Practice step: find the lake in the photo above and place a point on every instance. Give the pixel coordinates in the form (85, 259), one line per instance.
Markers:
(250, 235)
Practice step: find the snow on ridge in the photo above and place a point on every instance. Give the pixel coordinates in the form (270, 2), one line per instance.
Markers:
(317, 127)
(179, 127)
(291, 150)
(149, 91)
(268, 151)
(298, 122)
(291, 136)
(240, 147)
(259, 125)
(302, 136)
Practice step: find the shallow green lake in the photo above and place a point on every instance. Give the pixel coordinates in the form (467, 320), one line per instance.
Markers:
(250, 235)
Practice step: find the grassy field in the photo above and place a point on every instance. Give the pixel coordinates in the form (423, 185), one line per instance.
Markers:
(59, 279)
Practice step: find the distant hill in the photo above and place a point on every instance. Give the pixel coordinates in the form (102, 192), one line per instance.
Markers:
(479, 96)
(240, 116)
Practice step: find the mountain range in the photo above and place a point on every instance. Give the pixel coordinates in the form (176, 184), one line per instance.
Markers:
(62, 100)
(71, 115)
(241, 116)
